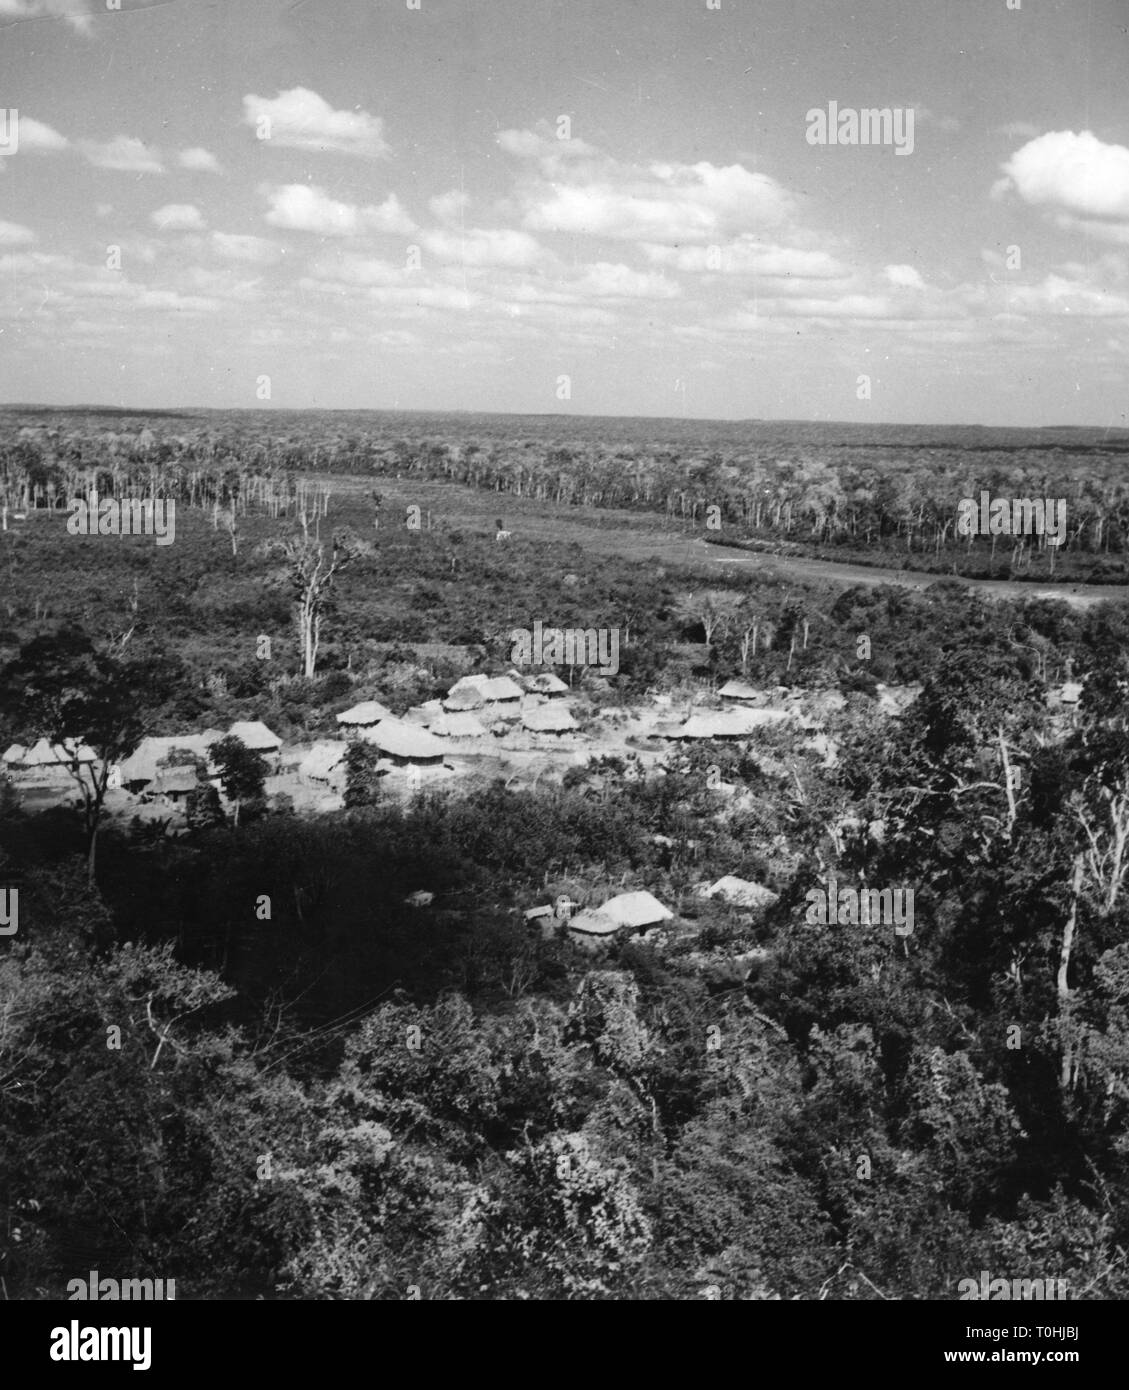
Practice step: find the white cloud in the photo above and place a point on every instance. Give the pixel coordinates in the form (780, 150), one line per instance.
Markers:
(449, 207)
(199, 160)
(1115, 232)
(1077, 173)
(38, 138)
(747, 255)
(607, 280)
(905, 277)
(1064, 294)
(358, 270)
(300, 207)
(578, 190)
(178, 217)
(13, 234)
(484, 246)
(300, 119)
(75, 12)
(125, 153)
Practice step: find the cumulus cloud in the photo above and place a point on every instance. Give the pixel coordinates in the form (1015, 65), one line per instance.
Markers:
(34, 137)
(449, 207)
(573, 188)
(484, 246)
(199, 161)
(905, 277)
(125, 153)
(14, 234)
(300, 207)
(1068, 295)
(613, 281)
(178, 217)
(300, 119)
(1074, 172)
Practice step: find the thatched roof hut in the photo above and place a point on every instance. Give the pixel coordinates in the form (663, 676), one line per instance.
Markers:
(636, 910)
(458, 725)
(323, 758)
(254, 734)
(405, 743)
(548, 719)
(546, 684)
(727, 723)
(43, 756)
(501, 690)
(150, 756)
(366, 713)
(468, 698)
(739, 690)
(174, 782)
(625, 912)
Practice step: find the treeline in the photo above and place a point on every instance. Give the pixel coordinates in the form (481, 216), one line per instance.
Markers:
(849, 500)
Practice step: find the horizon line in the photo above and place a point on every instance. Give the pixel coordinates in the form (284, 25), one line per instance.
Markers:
(542, 415)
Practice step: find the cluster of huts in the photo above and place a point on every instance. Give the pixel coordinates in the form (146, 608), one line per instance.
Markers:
(164, 765)
(474, 708)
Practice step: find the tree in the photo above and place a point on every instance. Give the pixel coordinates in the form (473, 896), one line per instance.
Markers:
(311, 579)
(62, 688)
(243, 772)
(362, 786)
(711, 608)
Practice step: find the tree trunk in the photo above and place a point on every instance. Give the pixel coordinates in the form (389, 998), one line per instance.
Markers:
(1064, 998)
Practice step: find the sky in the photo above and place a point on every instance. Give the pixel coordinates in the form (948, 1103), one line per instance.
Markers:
(599, 207)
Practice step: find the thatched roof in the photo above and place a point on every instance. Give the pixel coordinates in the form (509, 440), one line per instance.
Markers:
(728, 723)
(458, 725)
(590, 923)
(475, 682)
(144, 763)
(322, 758)
(501, 688)
(548, 719)
(739, 690)
(174, 780)
(740, 892)
(400, 740)
(367, 712)
(546, 684)
(44, 754)
(419, 716)
(254, 734)
(1070, 693)
(469, 697)
(638, 909)
(15, 754)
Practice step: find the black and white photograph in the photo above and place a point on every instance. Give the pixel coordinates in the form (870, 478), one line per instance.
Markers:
(564, 662)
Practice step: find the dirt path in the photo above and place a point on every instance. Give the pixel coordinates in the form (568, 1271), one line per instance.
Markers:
(637, 536)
